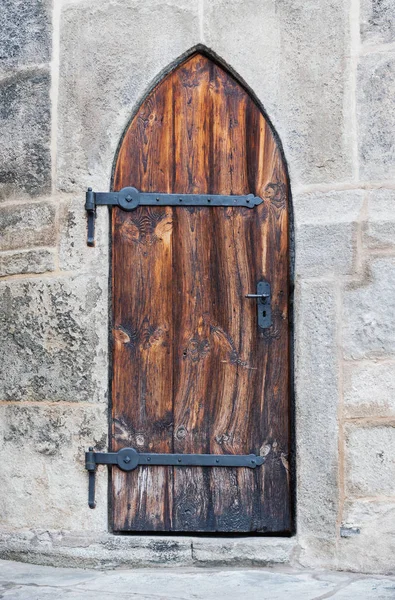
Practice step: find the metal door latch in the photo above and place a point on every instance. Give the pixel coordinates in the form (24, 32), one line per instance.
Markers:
(263, 296)
(129, 459)
(130, 198)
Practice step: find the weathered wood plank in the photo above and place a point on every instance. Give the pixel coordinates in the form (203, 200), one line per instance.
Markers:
(143, 322)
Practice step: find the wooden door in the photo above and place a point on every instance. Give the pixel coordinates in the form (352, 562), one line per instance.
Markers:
(192, 372)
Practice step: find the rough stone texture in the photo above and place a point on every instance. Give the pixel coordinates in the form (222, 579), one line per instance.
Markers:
(27, 225)
(74, 254)
(377, 21)
(242, 551)
(326, 232)
(379, 229)
(110, 54)
(370, 460)
(369, 308)
(43, 480)
(55, 332)
(376, 117)
(25, 133)
(369, 388)
(19, 581)
(30, 261)
(316, 407)
(292, 54)
(25, 33)
(373, 550)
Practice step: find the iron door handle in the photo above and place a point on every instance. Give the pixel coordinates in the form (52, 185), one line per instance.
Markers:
(261, 296)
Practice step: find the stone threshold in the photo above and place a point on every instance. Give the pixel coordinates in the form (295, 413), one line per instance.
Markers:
(98, 550)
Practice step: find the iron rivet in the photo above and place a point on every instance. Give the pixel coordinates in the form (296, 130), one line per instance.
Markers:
(148, 459)
(217, 461)
(157, 199)
(126, 459)
(129, 198)
(179, 460)
(253, 462)
(180, 199)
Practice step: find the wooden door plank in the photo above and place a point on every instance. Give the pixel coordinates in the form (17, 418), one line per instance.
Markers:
(192, 253)
(143, 323)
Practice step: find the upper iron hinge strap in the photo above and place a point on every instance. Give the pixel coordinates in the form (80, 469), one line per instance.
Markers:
(130, 198)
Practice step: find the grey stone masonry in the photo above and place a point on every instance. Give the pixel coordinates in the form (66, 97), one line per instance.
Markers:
(326, 232)
(26, 261)
(293, 55)
(377, 21)
(25, 124)
(369, 388)
(110, 55)
(25, 33)
(369, 308)
(376, 118)
(370, 453)
(316, 402)
(379, 229)
(27, 225)
(56, 348)
(42, 449)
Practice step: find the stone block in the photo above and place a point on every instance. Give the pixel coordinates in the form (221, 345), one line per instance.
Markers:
(377, 21)
(370, 463)
(376, 117)
(74, 254)
(110, 54)
(27, 225)
(25, 123)
(326, 232)
(369, 388)
(242, 551)
(379, 229)
(25, 33)
(317, 396)
(373, 550)
(369, 308)
(30, 261)
(55, 332)
(43, 478)
(293, 56)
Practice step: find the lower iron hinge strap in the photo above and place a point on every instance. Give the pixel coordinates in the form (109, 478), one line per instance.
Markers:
(129, 459)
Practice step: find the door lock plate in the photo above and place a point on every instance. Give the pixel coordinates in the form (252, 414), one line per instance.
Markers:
(264, 298)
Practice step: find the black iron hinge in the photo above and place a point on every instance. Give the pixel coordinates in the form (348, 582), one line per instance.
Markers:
(130, 198)
(129, 459)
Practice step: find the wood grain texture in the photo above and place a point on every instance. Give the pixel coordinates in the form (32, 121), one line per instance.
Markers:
(191, 370)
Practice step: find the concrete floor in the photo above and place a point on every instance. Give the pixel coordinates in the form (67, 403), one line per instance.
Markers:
(20, 581)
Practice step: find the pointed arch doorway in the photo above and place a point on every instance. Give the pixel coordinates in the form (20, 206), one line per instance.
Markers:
(193, 371)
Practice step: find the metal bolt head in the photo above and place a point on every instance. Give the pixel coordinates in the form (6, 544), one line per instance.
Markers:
(126, 459)
(128, 198)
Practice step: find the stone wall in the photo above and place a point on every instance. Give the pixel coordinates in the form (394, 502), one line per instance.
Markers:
(71, 74)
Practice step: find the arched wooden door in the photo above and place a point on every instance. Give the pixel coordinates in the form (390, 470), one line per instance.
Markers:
(192, 371)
